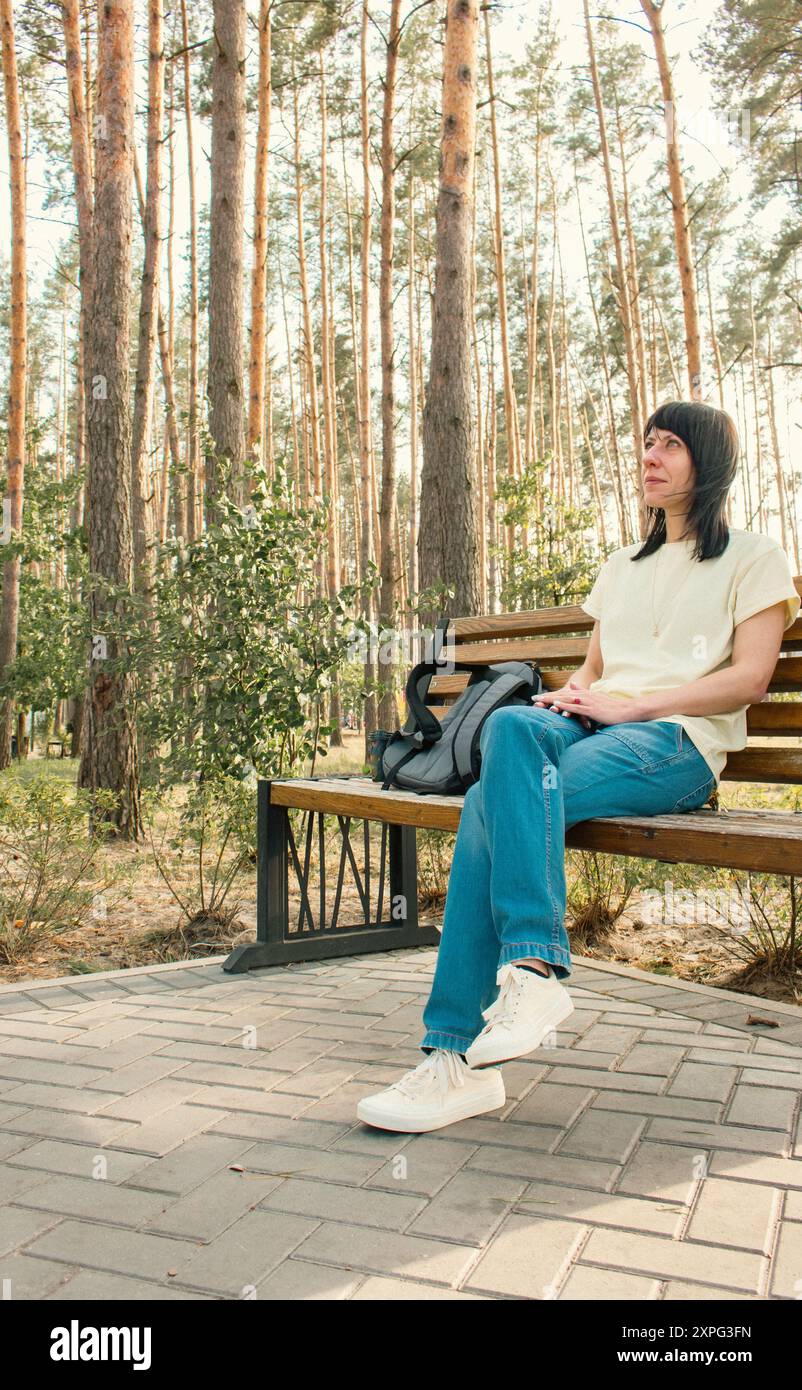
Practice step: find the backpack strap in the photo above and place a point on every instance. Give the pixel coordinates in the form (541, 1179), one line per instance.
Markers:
(421, 720)
(499, 689)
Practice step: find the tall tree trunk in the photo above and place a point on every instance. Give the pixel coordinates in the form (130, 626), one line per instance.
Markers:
(110, 757)
(412, 562)
(391, 564)
(449, 546)
(365, 461)
(679, 204)
(142, 512)
(511, 426)
(329, 405)
(193, 489)
(18, 330)
(226, 238)
(623, 298)
(256, 394)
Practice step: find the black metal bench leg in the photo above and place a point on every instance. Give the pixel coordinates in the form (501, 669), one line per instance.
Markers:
(272, 902)
(274, 945)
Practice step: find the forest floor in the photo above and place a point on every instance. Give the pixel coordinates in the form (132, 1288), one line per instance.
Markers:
(142, 921)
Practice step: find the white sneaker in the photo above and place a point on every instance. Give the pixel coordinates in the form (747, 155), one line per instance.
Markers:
(439, 1092)
(528, 1007)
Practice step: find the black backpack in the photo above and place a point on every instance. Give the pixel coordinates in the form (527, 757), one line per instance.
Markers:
(432, 756)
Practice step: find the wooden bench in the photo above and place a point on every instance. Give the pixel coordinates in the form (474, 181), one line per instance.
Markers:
(762, 840)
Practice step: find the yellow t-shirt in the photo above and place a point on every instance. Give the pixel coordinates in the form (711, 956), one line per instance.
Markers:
(697, 604)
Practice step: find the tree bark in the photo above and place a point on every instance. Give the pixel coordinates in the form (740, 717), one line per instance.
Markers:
(391, 565)
(193, 490)
(256, 394)
(142, 511)
(449, 549)
(679, 204)
(110, 757)
(226, 238)
(18, 332)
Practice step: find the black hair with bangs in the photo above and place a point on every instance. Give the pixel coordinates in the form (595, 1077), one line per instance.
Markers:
(711, 438)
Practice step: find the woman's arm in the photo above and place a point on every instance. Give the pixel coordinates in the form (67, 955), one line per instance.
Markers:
(755, 651)
(593, 666)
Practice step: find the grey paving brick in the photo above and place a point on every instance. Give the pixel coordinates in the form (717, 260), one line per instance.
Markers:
(184, 1168)
(32, 1094)
(11, 1144)
(287, 1160)
(786, 1277)
(229, 1055)
(769, 1106)
(603, 1134)
(417, 1257)
(301, 1281)
(281, 1128)
(546, 1168)
(428, 1165)
(92, 1287)
(697, 1132)
(734, 1213)
(219, 1074)
(166, 1131)
(92, 1199)
(377, 1289)
(680, 1107)
(607, 1080)
(194, 1032)
(723, 1057)
(248, 1099)
(149, 1101)
(318, 1079)
(78, 1160)
(553, 1105)
(14, 1182)
(388, 1211)
(664, 1259)
(115, 1031)
(662, 1171)
(607, 1037)
(469, 1207)
(122, 1081)
(680, 1291)
(55, 1072)
(528, 1258)
(21, 1225)
(602, 1208)
(245, 1253)
(95, 1246)
(599, 1285)
(17, 1027)
(300, 1051)
(780, 1172)
(704, 1081)
(22, 1277)
(652, 1059)
(62, 1124)
(212, 1207)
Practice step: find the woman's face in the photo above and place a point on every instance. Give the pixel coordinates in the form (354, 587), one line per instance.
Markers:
(667, 470)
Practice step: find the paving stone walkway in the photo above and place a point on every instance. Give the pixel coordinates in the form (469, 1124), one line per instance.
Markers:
(178, 1133)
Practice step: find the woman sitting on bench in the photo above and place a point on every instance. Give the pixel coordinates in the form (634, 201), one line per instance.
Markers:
(689, 625)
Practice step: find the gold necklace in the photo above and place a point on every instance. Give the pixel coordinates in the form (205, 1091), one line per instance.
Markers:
(655, 624)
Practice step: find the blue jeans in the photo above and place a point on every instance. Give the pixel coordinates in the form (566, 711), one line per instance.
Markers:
(541, 773)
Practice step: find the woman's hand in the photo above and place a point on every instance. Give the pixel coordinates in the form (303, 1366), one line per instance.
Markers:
(590, 704)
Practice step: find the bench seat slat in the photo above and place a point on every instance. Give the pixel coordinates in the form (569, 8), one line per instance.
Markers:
(767, 841)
